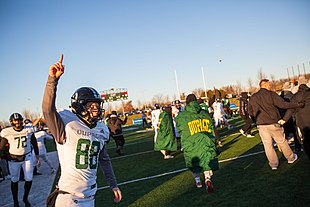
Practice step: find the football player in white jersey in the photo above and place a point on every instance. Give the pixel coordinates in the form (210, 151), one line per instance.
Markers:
(219, 114)
(20, 140)
(41, 135)
(176, 109)
(155, 120)
(80, 138)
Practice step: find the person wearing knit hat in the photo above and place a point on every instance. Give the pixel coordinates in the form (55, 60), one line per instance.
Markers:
(198, 141)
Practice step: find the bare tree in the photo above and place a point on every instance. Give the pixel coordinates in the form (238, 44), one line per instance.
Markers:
(273, 82)
(158, 98)
(238, 87)
(174, 97)
(167, 99)
(139, 104)
(261, 75)
(4, 124)
(229, 89)
(28, 114)
(128, 106)
(199, 92)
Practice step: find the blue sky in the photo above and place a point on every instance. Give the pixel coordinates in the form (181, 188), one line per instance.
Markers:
(138, 44)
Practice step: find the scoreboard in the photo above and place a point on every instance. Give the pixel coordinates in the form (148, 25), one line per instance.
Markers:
(114, 94)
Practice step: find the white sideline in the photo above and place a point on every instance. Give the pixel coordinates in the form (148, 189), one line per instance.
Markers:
(180, 170)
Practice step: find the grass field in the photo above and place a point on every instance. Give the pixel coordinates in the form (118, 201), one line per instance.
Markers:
(246, 181)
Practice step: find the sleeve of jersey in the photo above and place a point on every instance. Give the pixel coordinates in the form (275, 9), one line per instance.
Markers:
(106, 166)
(51, 116)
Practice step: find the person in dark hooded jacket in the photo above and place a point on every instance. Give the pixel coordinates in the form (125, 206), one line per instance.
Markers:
(116, 132)
(198, 140)
(301, 115)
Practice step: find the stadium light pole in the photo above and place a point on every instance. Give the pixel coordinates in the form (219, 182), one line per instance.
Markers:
(204, 82)
(177, 83)
(293, 72)
(288, 74)
(298, 70)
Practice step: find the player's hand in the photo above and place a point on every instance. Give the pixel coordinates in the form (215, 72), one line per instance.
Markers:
(39, 162)
(118, 195)
(281, 122)
(57, 69)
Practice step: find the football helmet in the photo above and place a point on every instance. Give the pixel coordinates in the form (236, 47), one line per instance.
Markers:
(156, 106)
(27, 121)
(19, 124)
(90, 114)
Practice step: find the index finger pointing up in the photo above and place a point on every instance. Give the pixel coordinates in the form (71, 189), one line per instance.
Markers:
(61, 58)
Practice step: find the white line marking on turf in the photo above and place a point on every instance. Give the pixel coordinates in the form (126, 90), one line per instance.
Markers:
(180, 170)
(241, 156)
(146, 178)
(139, 153)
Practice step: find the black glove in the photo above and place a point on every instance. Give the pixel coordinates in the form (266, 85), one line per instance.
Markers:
(301, 104)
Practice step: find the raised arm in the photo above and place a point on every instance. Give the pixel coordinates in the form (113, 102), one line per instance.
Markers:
(125, 120)
(51, 116)
(34, 144)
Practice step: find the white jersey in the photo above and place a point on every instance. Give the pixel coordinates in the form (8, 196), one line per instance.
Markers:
(40, 136)
(79, 154)
(175, 112)
(218, 110)
(19, 141)
(155, 117)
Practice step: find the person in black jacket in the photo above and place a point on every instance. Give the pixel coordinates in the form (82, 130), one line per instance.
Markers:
(301, 115)
(289, 126)
(243, 111)
(263, 106)
(115, 127)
